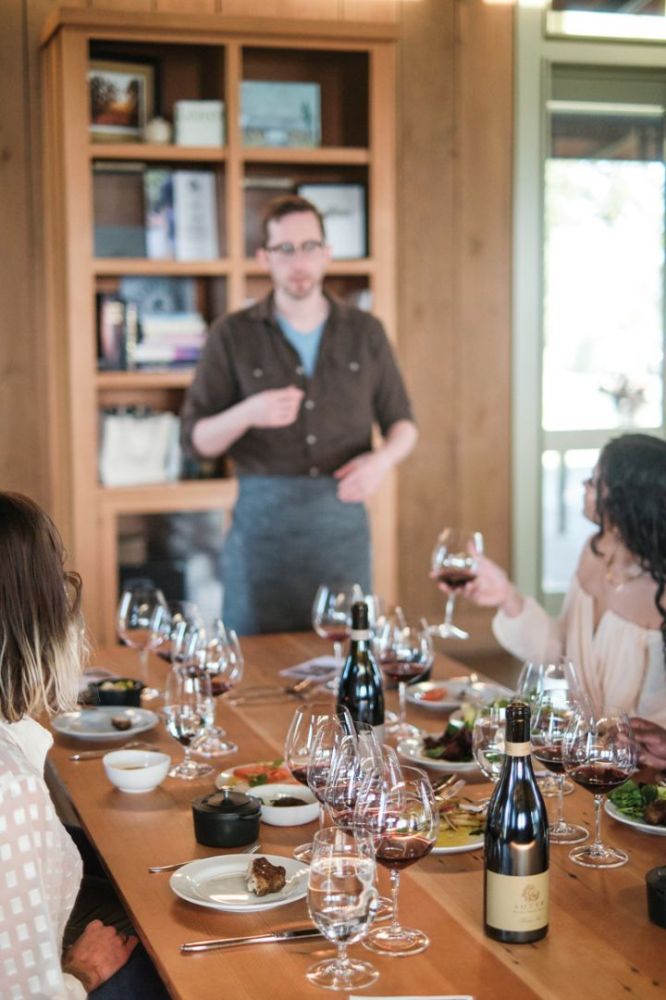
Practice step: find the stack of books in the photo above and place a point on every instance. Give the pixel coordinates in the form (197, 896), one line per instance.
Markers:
(156, 340)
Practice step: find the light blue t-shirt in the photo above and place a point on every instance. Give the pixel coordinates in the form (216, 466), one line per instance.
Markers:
(306, 345)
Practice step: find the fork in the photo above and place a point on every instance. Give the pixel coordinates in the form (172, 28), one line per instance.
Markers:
(179, 864)
(94, 754)
(297, 689)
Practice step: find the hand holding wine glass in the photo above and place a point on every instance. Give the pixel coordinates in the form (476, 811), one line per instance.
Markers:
(600, 754)
(454, 564)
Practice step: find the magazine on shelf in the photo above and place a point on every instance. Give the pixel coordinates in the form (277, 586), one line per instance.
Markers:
(280, 114)
(195, 215)
(343, 209)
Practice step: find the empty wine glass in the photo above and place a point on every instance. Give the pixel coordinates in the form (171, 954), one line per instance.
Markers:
(186, 700)
(529, 688)
(181, 617)
(141, 611)
(488, 740)
(341, 898)
(216, 650)
(402, 819)
(313, 734)
(551, 715)
(405, 653)
(600, 754)
(331, 613)
(454, 562)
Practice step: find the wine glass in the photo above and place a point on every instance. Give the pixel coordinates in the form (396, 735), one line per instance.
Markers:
(405, 653)
(600, 754)
(141, 611)
(551, 715)
(313, 734)
(529, 686)
(403, 821)
(180, 619)
(488, 740)
(217, 651)
(454, 562)
(187, 695)
(341, 898)
(331, 613)
(354, 758)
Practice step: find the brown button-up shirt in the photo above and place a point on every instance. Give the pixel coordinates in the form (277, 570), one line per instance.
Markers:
(355, 383)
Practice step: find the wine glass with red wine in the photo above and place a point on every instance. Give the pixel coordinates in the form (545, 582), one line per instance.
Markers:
(600, 754)
(216, 651)
(403, 820)
(314, 732)
(454, 563)
(180, 619)
(141, 611)
(331, 613)
(185, 715)
(405, 653)
(552, 713)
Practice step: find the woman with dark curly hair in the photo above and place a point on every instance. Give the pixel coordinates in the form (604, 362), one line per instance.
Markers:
(613, 621)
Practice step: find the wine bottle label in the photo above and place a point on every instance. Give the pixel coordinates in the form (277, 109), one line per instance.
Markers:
(359, 633)
(517, 902)
(518, 749)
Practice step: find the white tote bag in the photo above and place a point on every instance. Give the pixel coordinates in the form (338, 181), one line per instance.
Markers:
(139, 449)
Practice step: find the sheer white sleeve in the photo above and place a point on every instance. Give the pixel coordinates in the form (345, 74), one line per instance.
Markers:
(40, 874)
(532, 634)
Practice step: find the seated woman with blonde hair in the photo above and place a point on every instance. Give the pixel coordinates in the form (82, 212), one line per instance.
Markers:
(613, 621)
(41, 654)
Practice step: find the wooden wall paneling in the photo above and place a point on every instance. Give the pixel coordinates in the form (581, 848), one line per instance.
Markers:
(484, 71)
(21, 404)
(382, 248)
(371, 10)
(328, 9)
(132, 5)
(183, 6)
(426, 322)
(234, 178)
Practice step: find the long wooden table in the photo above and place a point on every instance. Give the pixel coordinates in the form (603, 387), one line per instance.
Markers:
(600, 942)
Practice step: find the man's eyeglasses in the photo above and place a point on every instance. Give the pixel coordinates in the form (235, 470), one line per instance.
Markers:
(308, 248)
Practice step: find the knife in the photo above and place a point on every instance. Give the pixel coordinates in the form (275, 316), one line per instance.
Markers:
(298, 934)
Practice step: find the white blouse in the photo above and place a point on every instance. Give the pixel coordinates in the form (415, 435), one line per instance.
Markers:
(621, 663)
(40, 872)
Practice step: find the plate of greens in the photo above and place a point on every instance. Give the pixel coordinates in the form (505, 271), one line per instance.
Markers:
(639, 805)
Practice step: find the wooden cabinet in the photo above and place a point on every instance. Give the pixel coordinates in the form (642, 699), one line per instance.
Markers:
(90, 184)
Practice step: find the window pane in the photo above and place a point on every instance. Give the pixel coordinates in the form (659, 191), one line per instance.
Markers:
(564, 529)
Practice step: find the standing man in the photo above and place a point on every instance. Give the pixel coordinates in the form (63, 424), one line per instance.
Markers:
(290, 388)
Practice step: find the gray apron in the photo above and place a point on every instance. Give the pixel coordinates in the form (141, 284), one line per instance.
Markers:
(288, 535)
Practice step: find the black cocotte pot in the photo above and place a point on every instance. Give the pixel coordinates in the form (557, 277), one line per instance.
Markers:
(226, 819)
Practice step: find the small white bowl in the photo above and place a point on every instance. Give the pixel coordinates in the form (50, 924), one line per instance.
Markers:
(136, 771)
(286, 815)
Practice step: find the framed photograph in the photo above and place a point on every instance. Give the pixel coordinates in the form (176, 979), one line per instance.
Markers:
(122, 97)
(280, 114)
(343, 209)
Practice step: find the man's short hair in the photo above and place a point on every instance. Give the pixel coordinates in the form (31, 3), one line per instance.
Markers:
(288, 204)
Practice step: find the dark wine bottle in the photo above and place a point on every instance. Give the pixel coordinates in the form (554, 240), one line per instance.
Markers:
(516, 843)
(360, 688)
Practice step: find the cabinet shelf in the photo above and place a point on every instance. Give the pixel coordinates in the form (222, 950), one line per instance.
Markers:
(153, 151)
(362, 266)
(191, 494)
(179, 379)
(146, 265)
(326, 155)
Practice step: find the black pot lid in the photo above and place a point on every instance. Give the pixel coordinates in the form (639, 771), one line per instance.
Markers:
(228, 802)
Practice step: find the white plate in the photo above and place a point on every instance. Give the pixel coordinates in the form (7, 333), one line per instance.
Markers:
(229, 777)
(612, 810)
(473, 844)
(456, 691)
(412, 750)
(220, 883)
(95, 723)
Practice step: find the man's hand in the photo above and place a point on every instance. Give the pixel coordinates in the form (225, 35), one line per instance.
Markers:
(361, 477)
(274, 407)
(97, 954)
(651, 740)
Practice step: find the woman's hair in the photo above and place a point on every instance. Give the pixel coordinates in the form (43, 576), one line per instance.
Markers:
(631, 498)
(42, 640)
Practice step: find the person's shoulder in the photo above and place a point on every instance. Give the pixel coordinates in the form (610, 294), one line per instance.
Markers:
(241, 322)
(18, 782)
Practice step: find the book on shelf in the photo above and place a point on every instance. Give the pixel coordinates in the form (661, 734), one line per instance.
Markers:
(195, 215)
(159, 213)
(199, 123)
(158, 340)
(111, 354)
(343, 209)
(276, 113)
(118, 198)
